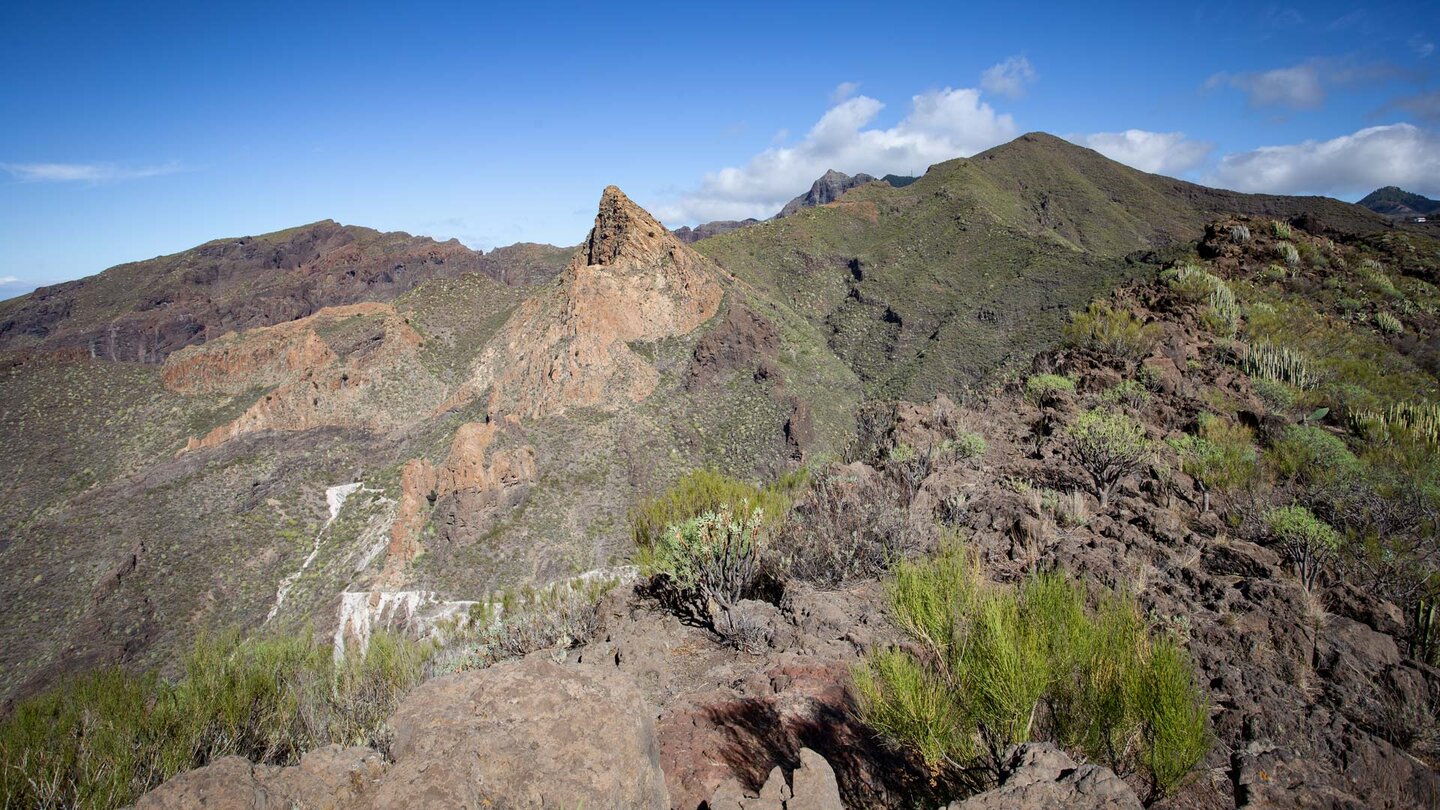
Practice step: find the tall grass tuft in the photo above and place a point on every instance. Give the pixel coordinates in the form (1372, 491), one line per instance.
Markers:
(103, 738)
(1000, 666)
(1103, 328)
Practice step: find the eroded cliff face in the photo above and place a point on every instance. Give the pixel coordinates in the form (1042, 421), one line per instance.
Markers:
(489, 467)
(631, 281)
(353, 366)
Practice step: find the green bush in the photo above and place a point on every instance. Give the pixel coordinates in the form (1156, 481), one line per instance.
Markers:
(1388, 324)
(1044, 390)
(1277, 396)
(1128, 392)
(518, 622)
(1220, 457)
(1288, 253)
(1112, 331)
(103, 738)
(1311, 455)
(1002, 666)
(1109, 446)
(1266, 361)
(968, 444)
(707, 564)
(1193, 284)
(707, 491)
(1307, 542)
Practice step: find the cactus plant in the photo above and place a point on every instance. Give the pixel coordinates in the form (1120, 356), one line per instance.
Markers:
(1271, 362)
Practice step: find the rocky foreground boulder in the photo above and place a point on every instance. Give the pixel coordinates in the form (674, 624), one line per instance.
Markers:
(523, 734)
(1040, 776)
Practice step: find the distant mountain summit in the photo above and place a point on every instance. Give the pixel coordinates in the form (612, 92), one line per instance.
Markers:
(829, 188)
(1393, 201)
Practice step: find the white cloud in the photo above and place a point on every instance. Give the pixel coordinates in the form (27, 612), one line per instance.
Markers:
(1393, 155)
(1422, 46)
(8, 280)
(1008, 78)
(84, 172)
(941, 125)
(1168, 153)
(843, 91)
(1297, 87)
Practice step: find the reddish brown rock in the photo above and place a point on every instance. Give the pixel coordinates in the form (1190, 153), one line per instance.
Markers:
(567, 347)
(328, 778)
(314, 385)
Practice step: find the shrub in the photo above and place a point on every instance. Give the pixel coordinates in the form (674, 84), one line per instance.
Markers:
(1276, 395)
(1307, 542)
(704, 491)
(518, 623)
(1174, 738)
(1069, 508)
(103, 738)
(1222, 311)
(1109, 446)
(844, 528)
(1417, 420)
(707, 564)
(968, 444)
(1389, 324)
(1311, 455)
(1287, 253)
(1239, 234)
(1128, 392)
(1116, 332)
(1220, 457)
(909, 466)
(1045, 390)
(1001, 666)
(1280, 230)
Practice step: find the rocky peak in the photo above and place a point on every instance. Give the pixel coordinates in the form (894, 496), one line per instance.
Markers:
(827, 189)
(567, 346)
(624, 232)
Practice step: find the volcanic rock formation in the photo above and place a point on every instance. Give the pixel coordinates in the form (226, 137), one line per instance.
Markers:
(631, 281)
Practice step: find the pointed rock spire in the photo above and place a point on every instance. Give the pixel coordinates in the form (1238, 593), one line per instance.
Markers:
(568, 346)
(625, 231)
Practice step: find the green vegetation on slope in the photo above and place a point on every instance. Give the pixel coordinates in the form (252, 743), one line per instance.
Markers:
(104, 738)
(1002, 666)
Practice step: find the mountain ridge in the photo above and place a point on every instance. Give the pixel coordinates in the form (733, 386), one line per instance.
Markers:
(634, 359)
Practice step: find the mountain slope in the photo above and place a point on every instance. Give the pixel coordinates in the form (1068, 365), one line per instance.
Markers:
(1392, 201)
(941, 283)
(473, 434)
(358, 441)
(143, 311)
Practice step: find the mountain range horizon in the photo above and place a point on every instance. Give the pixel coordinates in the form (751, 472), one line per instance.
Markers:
(1035, 480)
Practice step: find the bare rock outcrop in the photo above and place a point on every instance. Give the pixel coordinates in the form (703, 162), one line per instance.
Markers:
(327, 778)
(567, 346)
(523, 734)
(829, 188)
(812, 786)
(325, 370)
(1040, 776)
(489, 466)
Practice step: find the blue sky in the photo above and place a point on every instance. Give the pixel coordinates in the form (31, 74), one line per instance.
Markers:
(134, 130)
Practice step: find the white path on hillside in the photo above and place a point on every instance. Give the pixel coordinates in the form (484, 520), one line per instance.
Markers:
(335, 498)
(363, 612)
